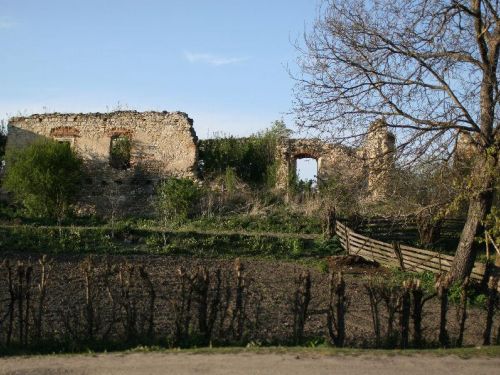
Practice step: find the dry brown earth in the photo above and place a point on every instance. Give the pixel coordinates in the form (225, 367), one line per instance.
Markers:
(274, 282)
(246, 363)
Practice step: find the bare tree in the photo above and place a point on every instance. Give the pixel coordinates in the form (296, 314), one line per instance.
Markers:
(426, 195)
(429, 67)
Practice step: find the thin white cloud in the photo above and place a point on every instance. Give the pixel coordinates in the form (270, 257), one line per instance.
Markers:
(6, 23)
(208, 58)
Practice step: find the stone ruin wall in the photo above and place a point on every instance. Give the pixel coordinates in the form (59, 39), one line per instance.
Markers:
(163, 144)
(330, 158)
(374, 161)
(379, 153)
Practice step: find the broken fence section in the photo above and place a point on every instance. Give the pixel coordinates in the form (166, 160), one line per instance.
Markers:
(405, 257)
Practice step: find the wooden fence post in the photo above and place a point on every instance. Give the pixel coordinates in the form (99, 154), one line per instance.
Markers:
(331, 223)
(348, 248)
(399, 255)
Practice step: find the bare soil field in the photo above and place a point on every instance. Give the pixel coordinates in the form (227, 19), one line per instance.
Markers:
(268, 292)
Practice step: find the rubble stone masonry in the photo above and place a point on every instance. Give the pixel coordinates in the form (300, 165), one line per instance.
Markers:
(162, 144)
(373, 162)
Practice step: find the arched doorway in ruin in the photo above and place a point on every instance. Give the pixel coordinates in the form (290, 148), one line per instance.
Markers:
(299, 159)
(305, 168)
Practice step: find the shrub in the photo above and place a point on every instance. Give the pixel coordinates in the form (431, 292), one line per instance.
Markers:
(176, 200)
(327, 247)
(251, 159)
(45, 177)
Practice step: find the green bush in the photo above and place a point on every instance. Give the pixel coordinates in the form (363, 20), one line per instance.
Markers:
(177, 200)
(45, 177)
(296, 248)
(251, 159)
(327, 247)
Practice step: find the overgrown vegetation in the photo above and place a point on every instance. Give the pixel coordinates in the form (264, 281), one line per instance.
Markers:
(275, 220)
(119, 152)
(129, 240)
(45, 177)
(177, 200)
(238, 194)
(252, 159)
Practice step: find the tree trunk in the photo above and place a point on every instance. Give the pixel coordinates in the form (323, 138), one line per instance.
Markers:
(429, 229)
(480, 203)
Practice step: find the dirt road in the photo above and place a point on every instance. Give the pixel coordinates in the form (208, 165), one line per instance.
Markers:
(246, 363)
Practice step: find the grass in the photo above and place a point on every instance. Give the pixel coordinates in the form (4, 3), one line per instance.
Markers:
(281, 233)
(133, 241)
(275, 220)
(427, 278)
(282, 221)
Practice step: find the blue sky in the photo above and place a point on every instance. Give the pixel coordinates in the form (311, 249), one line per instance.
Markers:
(223, 62)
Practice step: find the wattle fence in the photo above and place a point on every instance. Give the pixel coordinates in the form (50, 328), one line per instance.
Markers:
(405, 257)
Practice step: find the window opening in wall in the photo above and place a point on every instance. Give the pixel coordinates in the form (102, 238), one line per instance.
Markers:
(307, 174)
(119, 152)
(65, 141)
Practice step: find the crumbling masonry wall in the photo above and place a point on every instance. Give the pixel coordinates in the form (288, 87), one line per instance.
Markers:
(330, 158)
(374, 161)
(378, 153)
(162, 144)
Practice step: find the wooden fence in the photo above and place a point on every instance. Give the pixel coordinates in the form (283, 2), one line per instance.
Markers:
(405, 257)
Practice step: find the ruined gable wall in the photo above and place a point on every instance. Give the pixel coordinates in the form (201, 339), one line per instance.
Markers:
(162, 145)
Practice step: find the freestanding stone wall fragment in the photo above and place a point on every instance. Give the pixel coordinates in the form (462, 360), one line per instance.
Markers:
(162, 145)
(374, 161)
(379, 155)
(330, 158)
